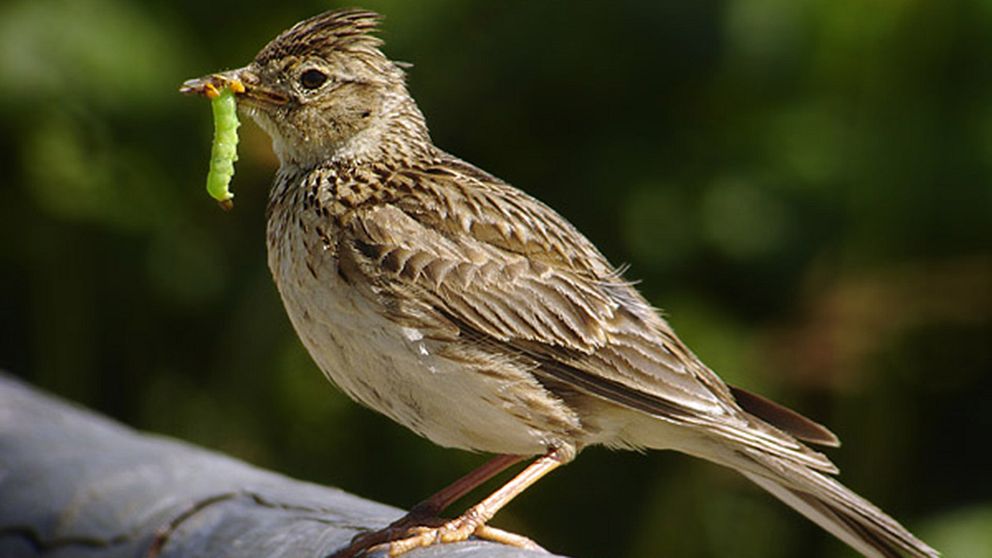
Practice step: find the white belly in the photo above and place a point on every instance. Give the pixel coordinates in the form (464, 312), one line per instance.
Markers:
(390, 368)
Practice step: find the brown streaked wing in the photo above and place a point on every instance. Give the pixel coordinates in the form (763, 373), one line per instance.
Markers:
(535, 285)
(523, 304)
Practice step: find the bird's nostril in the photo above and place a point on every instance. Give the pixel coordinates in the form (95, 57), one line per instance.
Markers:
(248, 77)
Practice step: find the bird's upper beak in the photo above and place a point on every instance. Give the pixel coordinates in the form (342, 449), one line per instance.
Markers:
(243, 82)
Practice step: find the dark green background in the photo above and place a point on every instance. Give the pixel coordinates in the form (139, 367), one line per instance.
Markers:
(803, 186)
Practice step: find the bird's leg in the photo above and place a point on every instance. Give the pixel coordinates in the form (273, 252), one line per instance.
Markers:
(426, 512)
(440, 500)
(473, 521)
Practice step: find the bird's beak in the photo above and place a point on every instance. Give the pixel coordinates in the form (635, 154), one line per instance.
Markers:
(243, 82)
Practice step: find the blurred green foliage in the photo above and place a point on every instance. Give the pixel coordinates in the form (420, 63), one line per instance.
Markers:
(804, 187)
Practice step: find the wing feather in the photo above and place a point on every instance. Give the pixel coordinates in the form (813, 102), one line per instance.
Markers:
(503, 268)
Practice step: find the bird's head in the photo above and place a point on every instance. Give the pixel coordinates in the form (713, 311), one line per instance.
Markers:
(323, 90)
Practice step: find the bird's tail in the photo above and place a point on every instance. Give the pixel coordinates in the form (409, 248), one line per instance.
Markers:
(831, 505)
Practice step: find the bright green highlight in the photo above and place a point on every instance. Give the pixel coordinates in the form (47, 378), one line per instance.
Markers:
(224, 151)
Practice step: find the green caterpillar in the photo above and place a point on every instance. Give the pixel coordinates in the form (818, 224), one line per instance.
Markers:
(224, 151)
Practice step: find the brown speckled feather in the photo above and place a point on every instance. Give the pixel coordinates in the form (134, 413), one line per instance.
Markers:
(533, 286)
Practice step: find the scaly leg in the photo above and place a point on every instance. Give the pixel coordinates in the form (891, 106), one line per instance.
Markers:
(425, 513)
(473, 521)
(450, 494)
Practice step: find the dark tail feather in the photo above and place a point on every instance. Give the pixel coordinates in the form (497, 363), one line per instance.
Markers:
(783, 418)
(834, 507)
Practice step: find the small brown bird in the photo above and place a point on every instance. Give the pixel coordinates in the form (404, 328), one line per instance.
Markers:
(476, 316)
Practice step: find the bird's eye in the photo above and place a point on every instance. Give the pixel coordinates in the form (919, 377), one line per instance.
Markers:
(312, 79)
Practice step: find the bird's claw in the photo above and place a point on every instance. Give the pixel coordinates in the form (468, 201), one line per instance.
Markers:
(456, 530)
(414, 531)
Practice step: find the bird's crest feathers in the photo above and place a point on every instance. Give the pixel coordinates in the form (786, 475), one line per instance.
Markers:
(340, 30)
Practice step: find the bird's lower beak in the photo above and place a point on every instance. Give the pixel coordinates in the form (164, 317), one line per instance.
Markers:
(242, 82)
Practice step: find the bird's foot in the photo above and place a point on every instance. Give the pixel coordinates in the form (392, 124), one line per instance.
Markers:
(500, 536)
(399, 529)
(456, 530)
(421, 528)
(415, 530)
